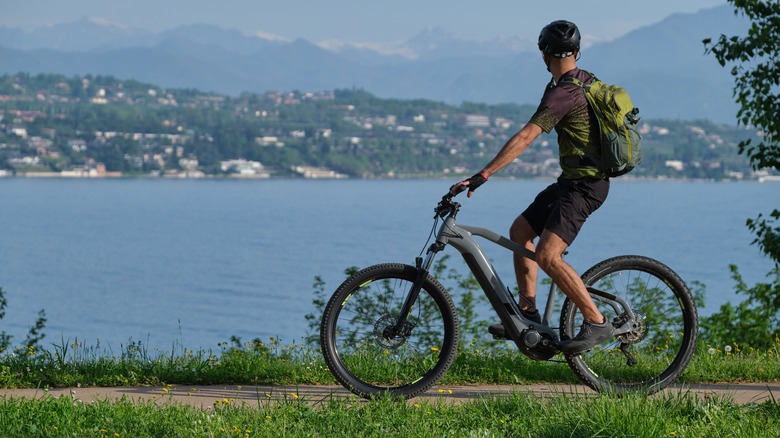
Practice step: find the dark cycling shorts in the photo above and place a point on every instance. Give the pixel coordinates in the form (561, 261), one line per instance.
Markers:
(563, 206)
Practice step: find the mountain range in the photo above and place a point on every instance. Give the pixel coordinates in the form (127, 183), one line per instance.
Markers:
(663, 66)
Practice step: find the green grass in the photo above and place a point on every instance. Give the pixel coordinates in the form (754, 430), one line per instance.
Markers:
(74, 364)
(517, 414)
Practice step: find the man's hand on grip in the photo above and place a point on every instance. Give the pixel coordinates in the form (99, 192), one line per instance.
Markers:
(471, 184)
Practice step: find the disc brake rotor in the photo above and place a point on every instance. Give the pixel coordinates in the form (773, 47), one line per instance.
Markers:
(387, 322)
(637, 333)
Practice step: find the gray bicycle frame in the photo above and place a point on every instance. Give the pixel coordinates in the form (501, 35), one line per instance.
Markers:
(461, 238)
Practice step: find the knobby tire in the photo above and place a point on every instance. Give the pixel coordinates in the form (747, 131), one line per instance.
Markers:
(353, 341)
(664, 344)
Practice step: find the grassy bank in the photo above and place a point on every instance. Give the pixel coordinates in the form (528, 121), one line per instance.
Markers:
(518, 415)
(70, 365)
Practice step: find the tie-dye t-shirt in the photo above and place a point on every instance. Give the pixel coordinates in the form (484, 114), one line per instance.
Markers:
(564, 108)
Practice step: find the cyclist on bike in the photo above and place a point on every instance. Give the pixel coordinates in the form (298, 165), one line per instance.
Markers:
(559, 211)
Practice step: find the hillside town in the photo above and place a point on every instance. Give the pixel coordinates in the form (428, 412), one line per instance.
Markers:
(52, 126)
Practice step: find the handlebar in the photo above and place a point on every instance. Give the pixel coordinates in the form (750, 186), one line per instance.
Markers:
(447, 206)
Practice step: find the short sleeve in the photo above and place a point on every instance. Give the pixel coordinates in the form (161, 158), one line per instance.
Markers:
(555, 105)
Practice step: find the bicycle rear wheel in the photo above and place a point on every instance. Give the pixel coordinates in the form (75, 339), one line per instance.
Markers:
(663, 343)
(354, 341)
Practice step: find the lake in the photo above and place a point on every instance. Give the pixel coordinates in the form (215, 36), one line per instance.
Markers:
(193, 262)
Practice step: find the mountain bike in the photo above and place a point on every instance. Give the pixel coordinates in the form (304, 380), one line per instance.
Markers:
(392, 329)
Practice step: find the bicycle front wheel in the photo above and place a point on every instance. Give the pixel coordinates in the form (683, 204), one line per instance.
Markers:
(354, 330)
(651, 355)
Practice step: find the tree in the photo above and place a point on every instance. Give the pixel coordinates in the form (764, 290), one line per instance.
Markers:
(755, 60)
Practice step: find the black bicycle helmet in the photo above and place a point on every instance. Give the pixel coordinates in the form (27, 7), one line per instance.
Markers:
(559, 38)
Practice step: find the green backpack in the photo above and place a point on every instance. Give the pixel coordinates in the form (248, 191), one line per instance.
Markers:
(621, 147)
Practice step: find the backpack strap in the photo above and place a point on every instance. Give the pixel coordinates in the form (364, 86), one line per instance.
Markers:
(588, 160)
(578, 82)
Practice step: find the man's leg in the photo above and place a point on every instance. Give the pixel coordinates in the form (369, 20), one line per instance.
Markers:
(595, 329)
(549, 256)
(526, 270)
(572, 203)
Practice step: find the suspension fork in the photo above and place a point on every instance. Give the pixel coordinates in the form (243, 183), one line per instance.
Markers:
(423, 267)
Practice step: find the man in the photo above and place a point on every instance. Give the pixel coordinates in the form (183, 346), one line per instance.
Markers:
(558, 212)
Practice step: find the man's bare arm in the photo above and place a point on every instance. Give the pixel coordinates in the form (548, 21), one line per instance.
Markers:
(513, 147)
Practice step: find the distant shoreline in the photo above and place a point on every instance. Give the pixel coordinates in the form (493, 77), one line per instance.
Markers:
(117, 176)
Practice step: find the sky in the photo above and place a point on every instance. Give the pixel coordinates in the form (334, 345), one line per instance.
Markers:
(357, 20)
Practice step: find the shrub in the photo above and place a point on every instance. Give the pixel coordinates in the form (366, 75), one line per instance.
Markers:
(755, 322)
(34, 336)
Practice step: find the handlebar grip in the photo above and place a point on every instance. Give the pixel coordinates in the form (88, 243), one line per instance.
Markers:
(459, 188)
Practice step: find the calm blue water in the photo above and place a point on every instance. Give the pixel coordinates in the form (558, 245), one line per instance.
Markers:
(193, 262)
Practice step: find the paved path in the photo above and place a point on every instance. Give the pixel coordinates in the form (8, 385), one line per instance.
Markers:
(207, 396)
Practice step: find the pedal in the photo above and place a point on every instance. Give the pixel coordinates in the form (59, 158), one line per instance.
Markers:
(498, 331)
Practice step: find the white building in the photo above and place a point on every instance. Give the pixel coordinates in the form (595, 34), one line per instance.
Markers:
(245, 168)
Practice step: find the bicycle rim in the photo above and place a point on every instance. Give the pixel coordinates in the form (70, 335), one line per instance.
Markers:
(663, 343)
(354, 340)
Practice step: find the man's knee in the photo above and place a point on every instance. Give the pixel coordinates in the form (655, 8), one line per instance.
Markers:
(549, 252)
(547, 260)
